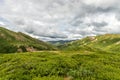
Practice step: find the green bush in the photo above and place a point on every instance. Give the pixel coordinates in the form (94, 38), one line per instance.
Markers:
(54, 66)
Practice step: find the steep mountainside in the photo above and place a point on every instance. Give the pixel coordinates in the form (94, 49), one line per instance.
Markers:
(107, 42)
(18, 42)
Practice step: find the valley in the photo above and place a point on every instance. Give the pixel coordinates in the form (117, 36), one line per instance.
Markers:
(91, 58)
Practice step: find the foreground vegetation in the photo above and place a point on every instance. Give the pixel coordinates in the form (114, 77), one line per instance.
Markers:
(60, 65)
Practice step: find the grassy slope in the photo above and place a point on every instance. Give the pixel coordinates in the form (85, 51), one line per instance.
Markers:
(107, 42)
(60, 66)
(11, 41)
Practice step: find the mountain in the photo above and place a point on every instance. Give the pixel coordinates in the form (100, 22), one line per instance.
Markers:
(107, 42)
(19, 42)
(59, 42)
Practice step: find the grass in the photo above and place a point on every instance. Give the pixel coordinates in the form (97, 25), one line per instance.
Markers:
(60, 65)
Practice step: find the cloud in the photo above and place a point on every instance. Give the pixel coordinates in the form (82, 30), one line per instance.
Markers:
(102, 24)
(61, 19)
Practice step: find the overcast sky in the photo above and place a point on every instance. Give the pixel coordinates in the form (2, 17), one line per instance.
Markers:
(61, 19)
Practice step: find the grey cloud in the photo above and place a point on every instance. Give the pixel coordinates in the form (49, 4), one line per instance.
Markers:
(62, 19)
(97, 24)
(99, 9)
(42, 32)
(76, 22)
(99, 27)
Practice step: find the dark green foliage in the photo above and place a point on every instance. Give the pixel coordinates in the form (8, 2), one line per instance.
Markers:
(23, 48)
(8, 49)
(5, 47)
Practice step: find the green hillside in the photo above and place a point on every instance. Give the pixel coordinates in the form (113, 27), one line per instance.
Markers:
(18, 42)
(91, 58)
(107, 42)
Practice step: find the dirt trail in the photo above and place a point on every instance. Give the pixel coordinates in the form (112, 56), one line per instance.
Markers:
(68, 78)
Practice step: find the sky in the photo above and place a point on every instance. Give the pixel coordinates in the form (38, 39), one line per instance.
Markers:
(61, 19)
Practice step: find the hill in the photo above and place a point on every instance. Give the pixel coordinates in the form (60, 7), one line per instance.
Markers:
(107, 42)
(19, 42)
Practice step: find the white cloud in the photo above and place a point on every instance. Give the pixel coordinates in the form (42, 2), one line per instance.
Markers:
(62, 19)
(2, 23)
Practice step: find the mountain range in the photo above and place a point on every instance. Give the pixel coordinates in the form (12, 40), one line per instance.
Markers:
(11, 41)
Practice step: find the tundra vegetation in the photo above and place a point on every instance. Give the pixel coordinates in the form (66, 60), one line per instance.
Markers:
(91, 58)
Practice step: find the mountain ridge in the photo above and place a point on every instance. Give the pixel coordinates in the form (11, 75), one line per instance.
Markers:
(11, 41)
(106, 42)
